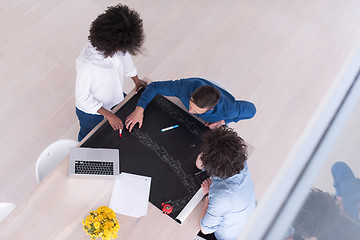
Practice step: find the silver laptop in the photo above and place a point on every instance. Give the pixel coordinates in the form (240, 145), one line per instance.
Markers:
(99, 162)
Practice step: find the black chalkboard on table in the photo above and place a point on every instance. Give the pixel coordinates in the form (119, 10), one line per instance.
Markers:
(167, 157)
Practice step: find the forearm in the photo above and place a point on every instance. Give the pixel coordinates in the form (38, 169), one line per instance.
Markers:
(146, 97)
(113, 120)
(165, 88)
(135, 79)
(104, 112)
(205, 207)
(203, 212)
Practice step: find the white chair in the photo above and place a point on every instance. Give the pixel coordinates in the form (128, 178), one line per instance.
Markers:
(5, 209)
(51, 156)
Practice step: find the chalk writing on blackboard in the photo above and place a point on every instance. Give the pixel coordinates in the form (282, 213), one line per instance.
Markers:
(179, 204)
(186, 179)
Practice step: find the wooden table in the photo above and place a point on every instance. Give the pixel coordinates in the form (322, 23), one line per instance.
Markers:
(54, 210)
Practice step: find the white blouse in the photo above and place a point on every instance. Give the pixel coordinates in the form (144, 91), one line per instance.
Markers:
(99, 80)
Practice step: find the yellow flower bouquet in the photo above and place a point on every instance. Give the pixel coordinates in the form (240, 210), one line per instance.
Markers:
(101, 223)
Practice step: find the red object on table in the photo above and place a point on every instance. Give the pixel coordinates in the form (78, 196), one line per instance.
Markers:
(167, 208)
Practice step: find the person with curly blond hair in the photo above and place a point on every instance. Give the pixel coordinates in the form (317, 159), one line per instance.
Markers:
(103, 64)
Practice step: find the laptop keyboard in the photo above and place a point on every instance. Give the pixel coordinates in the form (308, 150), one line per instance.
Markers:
(94, 168)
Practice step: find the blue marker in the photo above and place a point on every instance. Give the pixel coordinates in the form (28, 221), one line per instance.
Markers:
(169, 128)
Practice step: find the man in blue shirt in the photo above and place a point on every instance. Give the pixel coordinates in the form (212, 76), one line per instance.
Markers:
(206, 100)
(229, 192)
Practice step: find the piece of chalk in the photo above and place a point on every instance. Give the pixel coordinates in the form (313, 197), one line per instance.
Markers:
(169, 128)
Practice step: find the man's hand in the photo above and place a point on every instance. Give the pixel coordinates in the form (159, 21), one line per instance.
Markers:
(205, 185)
(135, 117)
(114, 120)
(215, 124)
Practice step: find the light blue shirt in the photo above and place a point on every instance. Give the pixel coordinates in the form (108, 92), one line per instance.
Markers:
(231, 203)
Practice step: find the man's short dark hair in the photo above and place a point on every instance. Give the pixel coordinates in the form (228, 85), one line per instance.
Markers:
(223, 152)
(206, 97)
(119, 28)
(321, 217)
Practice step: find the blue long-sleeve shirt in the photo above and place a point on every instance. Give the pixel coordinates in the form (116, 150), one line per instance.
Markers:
(227, 109)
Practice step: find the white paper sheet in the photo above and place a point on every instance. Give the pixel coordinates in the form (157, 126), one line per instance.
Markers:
(130, 195)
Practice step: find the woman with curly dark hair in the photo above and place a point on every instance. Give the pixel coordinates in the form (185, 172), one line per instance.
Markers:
(229, 192)
(103, 63)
